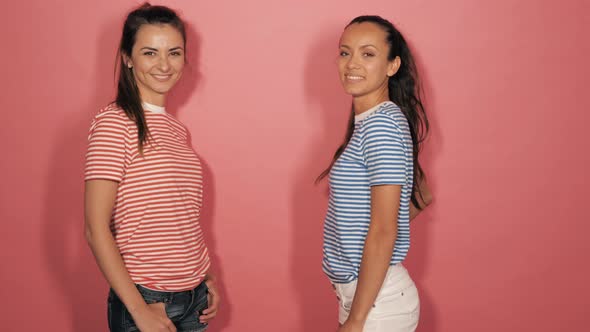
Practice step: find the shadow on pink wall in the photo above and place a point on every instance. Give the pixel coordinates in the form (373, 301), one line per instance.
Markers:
(69, 260)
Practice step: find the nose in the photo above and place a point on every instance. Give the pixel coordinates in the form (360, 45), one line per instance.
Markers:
(164, 63)
(352, 62)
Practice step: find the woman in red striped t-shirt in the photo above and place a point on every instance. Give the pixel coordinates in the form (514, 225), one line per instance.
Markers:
(144, 189)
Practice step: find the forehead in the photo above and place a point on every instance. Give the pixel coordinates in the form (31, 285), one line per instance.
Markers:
(363, 34)
(158, 35)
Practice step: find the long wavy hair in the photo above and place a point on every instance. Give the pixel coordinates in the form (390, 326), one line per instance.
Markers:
(404, 90)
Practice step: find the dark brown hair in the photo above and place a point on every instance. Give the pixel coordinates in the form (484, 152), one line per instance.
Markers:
(128, 97)
(404, 91)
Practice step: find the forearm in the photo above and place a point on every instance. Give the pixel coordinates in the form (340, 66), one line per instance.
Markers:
(111, 264)
(375, 262)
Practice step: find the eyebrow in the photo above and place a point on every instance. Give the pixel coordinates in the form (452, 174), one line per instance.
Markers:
(156, 50)
(362, 46)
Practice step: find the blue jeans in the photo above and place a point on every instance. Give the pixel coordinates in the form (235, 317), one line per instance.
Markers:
(183, 309)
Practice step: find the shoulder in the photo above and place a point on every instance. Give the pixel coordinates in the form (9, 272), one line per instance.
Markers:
(111, 113)
(111, 119)
(387, 117)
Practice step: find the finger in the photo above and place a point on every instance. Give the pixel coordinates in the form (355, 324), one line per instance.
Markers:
(213, 305)
(160, 308)
(210, 303)
(171, 326)
(208, 317)
(209, 310)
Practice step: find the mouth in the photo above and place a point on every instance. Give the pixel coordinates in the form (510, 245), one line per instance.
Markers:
(353, 78)
(162, 77)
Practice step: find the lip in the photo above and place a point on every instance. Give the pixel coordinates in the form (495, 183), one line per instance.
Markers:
(162, 77)
(353, 78)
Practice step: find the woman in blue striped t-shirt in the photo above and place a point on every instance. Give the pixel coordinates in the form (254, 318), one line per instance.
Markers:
(376, 182)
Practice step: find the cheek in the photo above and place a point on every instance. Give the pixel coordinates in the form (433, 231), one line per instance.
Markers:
(372, 68)
(178, 64)
(142, 67)
(378, 71)
(341, 67)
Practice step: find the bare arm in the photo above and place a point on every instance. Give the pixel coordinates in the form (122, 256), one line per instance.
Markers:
(99, 199)
(377, 252)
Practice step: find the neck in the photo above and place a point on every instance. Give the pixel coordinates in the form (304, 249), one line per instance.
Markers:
(364, 103)
(153, 98)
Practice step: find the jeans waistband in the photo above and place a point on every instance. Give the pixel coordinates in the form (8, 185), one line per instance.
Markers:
(167, 297)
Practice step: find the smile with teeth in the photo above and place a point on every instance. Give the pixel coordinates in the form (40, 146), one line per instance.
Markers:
(354, 77)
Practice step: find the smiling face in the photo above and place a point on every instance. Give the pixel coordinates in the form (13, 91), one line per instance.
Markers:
(157, 60)
(363, 63)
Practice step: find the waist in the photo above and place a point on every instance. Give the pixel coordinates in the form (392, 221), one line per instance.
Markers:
(397, 278)
(169, 296)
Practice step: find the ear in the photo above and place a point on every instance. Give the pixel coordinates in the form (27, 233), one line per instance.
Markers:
(127, 61)
(393, 66)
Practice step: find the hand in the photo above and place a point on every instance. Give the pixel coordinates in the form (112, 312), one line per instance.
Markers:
(153, 318)
(212, 299)
(351, 326)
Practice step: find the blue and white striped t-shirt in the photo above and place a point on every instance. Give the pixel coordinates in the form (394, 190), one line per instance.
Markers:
(379, 153)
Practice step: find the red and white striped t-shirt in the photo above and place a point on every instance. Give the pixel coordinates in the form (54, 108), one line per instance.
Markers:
(155, 219)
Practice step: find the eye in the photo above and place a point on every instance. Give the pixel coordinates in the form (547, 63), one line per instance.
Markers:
(343, 53)
(176, 53)
(368, 54)
(149, 53)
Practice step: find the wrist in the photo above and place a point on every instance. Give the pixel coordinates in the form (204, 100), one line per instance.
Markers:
(136, 308)
(356, 319)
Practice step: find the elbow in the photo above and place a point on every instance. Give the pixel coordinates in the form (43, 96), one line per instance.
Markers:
(383, 239)
(424, 198)
(88, 234)
(91, 233)
(95, 232)
(427, 199)
(385, 233)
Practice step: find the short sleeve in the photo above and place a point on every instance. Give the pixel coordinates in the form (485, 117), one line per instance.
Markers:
(383, 151)
(105, 157)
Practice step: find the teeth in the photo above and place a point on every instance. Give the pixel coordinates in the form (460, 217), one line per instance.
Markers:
(354, 77)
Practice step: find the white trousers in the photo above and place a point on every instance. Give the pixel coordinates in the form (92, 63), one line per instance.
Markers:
(397, 308)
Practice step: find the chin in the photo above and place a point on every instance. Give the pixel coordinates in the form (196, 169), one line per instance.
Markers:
(352, 89)
(163, 89)
(354, 92)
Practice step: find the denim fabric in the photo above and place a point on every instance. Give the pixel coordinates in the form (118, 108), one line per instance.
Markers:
(183, 309)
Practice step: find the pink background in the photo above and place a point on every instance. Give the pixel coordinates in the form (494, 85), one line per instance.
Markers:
(504, 247)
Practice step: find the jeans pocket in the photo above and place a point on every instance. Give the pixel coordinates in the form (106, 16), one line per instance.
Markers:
(202, 301)
(175, 310)
(399, 302)
(119, 319)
